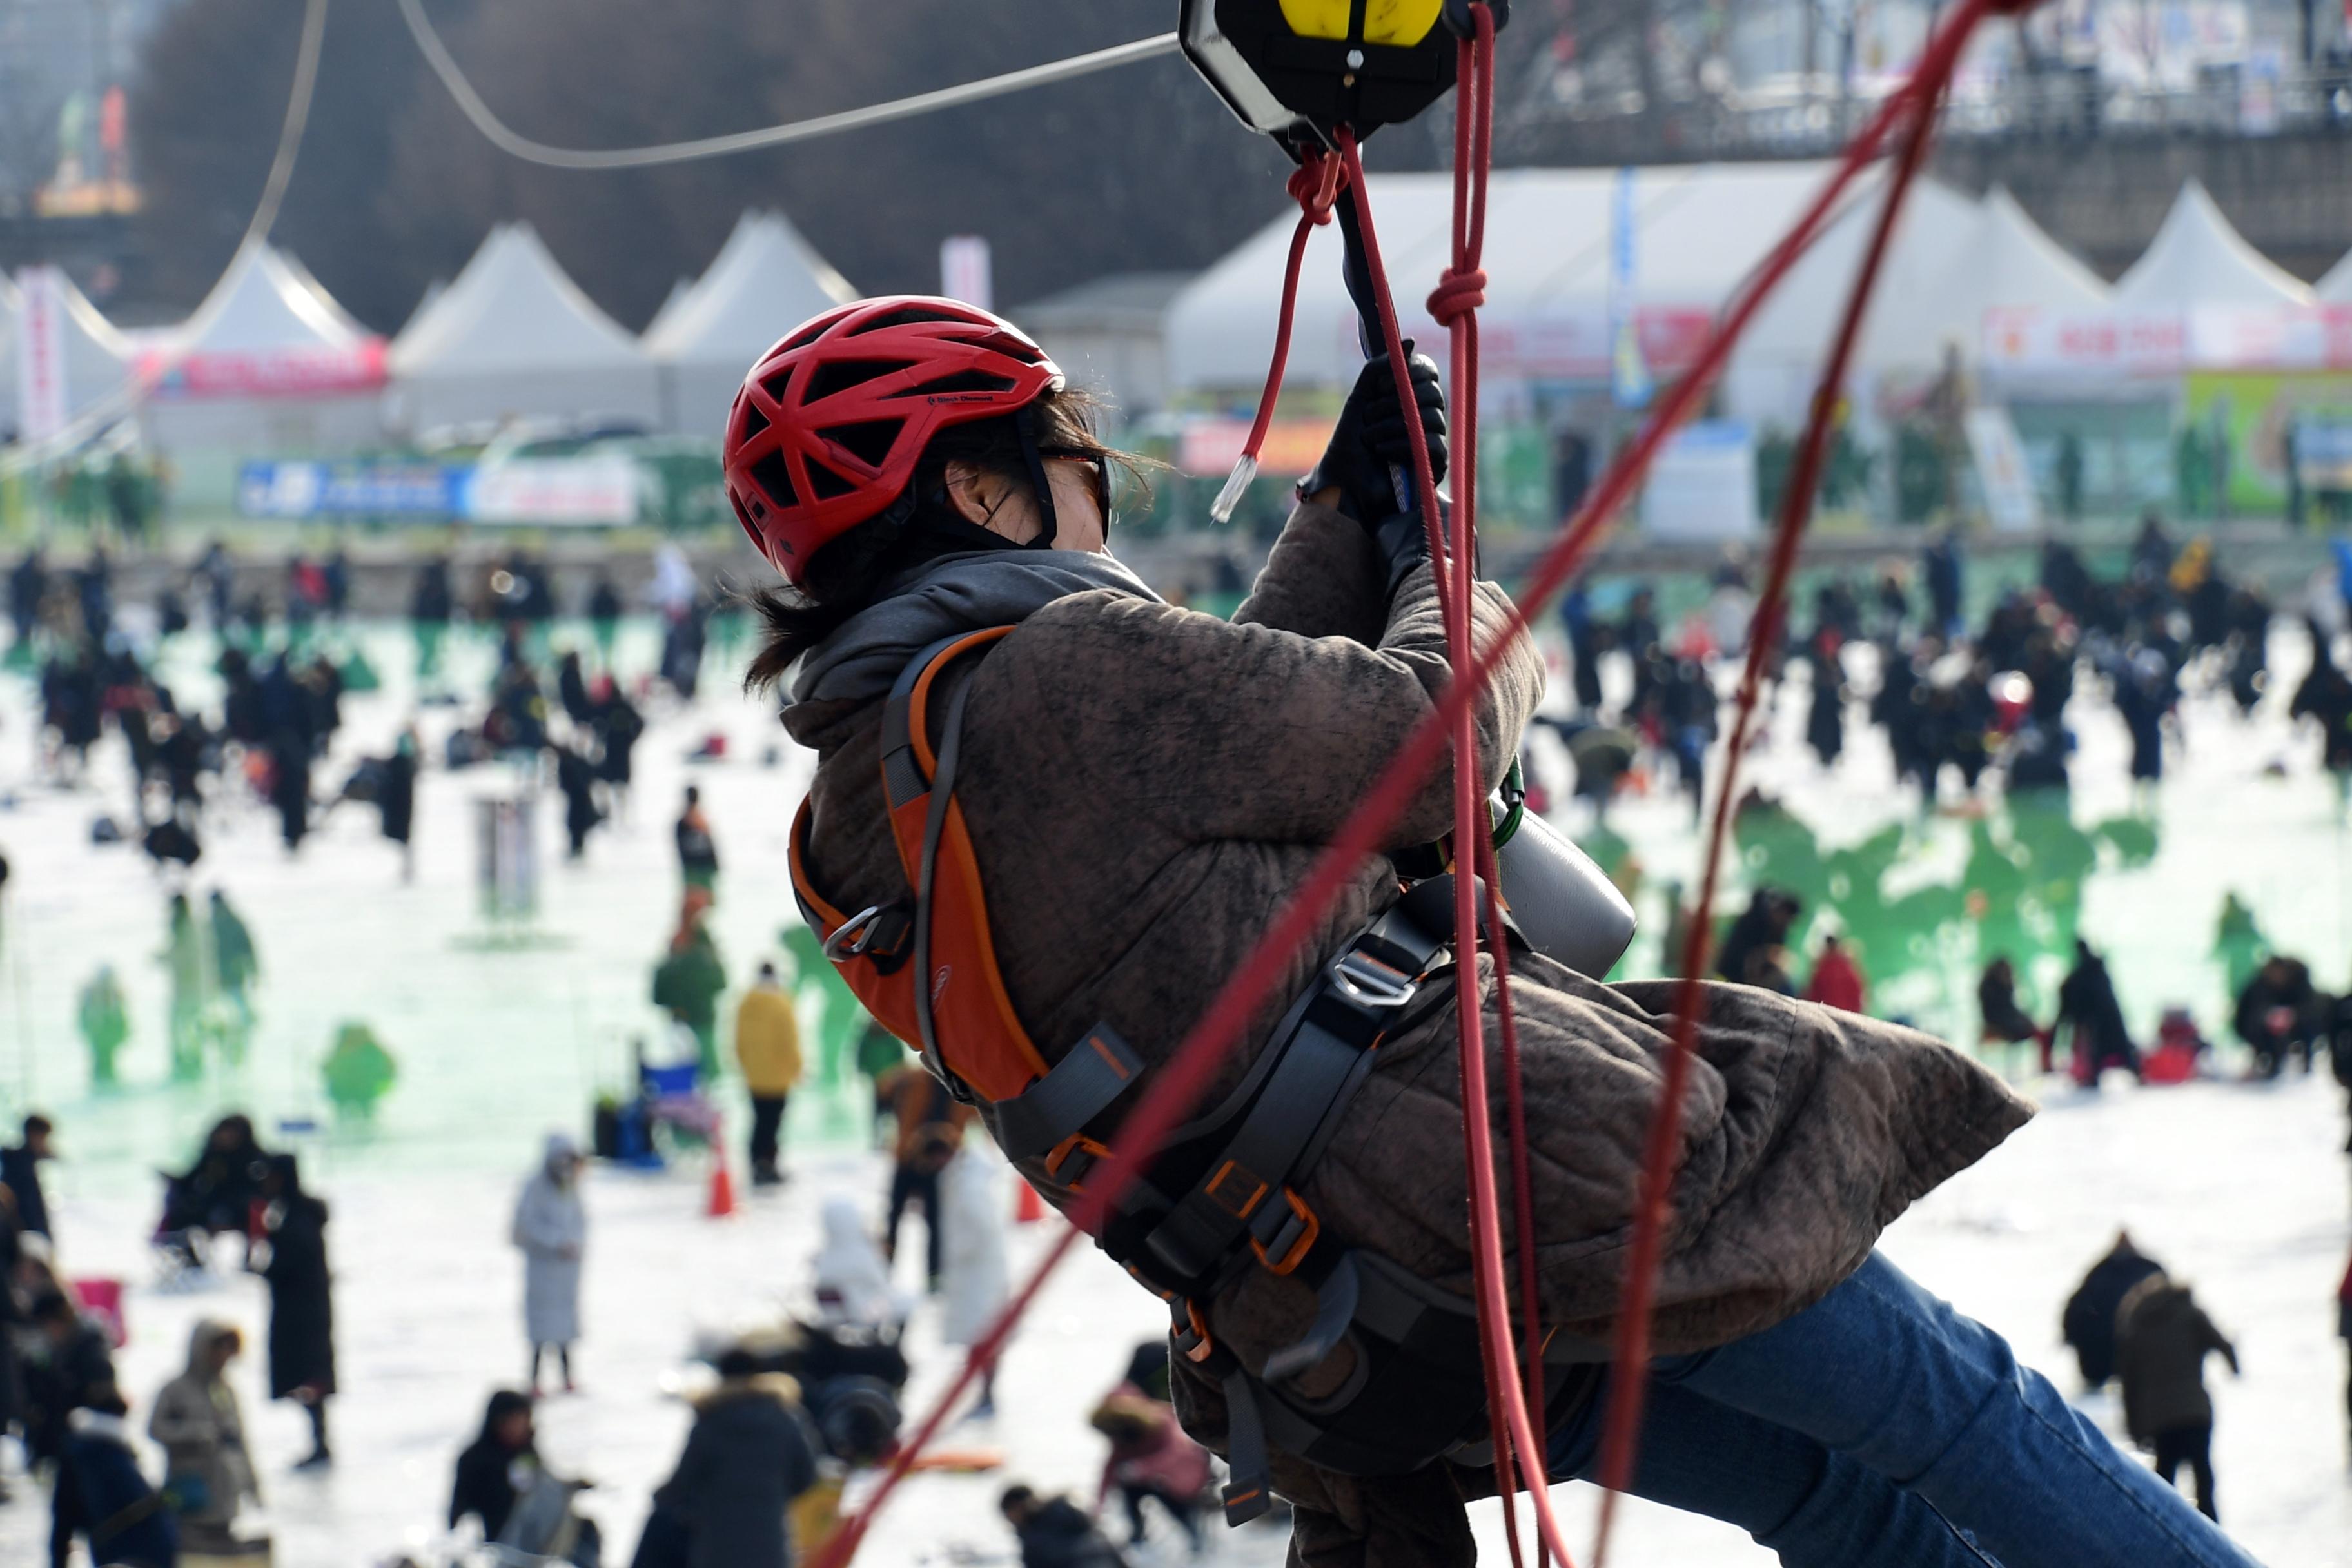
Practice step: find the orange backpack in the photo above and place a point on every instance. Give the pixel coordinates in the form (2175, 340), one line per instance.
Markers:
(925, 965)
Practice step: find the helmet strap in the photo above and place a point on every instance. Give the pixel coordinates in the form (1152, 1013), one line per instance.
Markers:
(1026, 424)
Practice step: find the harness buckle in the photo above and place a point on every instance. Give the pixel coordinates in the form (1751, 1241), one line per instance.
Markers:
(1190, 1335)
(1294, 1237)
(1067, 1164)
(1369, 983)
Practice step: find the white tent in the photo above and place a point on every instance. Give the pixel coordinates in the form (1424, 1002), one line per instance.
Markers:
(2198, 259)
(764, 281)
(268, 366)
(424, 302)
(1698, 230)
(2006, 262)
(97, 357)
(679, 292)
(268, 301)
(1953, 261)
(513, 335)
(1912, 314)
(2335, 286)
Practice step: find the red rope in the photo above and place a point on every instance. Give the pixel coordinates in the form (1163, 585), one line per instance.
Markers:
(1457, 296)
(1180, 1082)
(1315, 187)
(1629, 1377)
(1454, 304)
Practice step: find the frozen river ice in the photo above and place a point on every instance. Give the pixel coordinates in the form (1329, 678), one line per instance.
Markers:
(2240, 1188)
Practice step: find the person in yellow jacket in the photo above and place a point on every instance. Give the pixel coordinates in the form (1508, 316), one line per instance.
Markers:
(768, 1047)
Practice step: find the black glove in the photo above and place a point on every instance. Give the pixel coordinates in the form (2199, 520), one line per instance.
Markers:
(1372, 437)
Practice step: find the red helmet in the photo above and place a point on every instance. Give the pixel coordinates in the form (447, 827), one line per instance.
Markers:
(831, 422)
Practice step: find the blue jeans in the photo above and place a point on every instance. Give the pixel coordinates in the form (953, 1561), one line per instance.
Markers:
(1881, 1427)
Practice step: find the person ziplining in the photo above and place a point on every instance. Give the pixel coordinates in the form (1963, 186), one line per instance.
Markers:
(1142, 783)
(1054, 816)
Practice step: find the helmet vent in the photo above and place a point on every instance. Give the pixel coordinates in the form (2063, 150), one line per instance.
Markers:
(827, 484)
(962, 381)
(803, 339)
(868, 440)
(1011, 346)
(771, 474)
(840, 376)
(905, 317)
(754, 422)
(778, 384)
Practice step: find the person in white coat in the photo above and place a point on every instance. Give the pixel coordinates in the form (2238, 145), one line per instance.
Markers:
(974, 1278)
(551, 1227)
(851, 1279)
(196, 1419)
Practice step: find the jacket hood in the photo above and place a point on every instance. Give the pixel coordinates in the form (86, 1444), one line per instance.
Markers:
(943, 597)
(207, 1333)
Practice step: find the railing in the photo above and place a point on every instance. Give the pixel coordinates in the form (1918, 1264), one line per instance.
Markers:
(1788, 118)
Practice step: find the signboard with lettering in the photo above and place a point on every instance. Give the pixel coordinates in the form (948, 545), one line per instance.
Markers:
(42, 396)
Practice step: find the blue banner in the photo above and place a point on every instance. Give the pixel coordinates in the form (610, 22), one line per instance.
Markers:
(368, 490)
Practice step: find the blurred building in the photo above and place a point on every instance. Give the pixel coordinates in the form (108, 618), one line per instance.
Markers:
(1109, 336)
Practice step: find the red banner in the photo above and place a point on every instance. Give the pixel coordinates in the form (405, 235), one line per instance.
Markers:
(306, 371)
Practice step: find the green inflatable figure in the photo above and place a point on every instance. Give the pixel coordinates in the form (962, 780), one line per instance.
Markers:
(2238, 944)
(843, 1018)
(358, 1072)
(105, 1024)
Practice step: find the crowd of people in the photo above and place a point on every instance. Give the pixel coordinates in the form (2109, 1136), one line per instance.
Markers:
(784, 1416)
(774, 1425)
(284, 676)
(1957, 704)
(59, 1385)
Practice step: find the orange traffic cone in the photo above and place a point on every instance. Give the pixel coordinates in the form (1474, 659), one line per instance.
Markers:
(722, 1190)
(1028, 1208)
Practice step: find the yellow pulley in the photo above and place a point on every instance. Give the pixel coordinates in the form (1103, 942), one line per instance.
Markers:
(1299, 69)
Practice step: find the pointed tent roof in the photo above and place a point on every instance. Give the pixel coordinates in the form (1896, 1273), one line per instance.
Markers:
(2335, 287)
(266, 299)
(513, 307)
(681, 291)
(2005, 261)
(1907, 325)
(764, 281)
(424, 302)
(2196, 258)
(1701, 229)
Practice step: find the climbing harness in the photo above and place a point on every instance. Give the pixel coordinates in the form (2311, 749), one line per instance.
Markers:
(926, 965)
(1225, 1196)
(1181, 1081)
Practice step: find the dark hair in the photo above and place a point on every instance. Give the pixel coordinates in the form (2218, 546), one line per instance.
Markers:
(848, 573)
(51, 1306)
(506, 1401)
(767, 971)
(1013, 1497)
(737, 1363)
(105, 1399)
(37, 1124)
